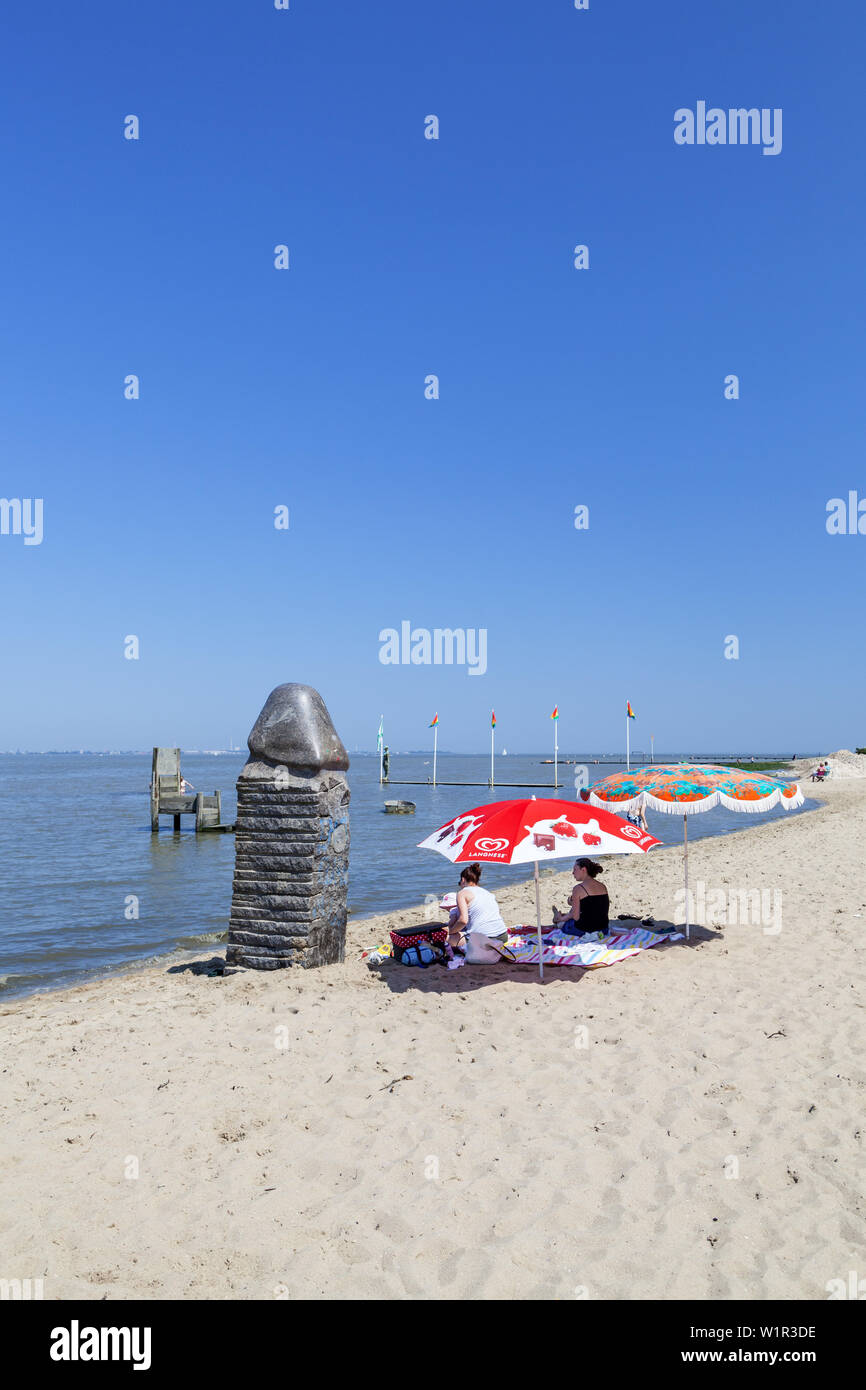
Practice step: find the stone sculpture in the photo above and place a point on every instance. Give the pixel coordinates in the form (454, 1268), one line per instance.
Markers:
(292, 838)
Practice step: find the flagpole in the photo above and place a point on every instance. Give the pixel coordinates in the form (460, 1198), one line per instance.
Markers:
(627, 745)
(556, 752)
(435, 741)
(492, 736)
(652, 747)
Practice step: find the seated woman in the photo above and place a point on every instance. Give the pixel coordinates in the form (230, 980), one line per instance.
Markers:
(479, 918)
(590, 904)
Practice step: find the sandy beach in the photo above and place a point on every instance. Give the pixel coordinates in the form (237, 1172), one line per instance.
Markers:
(687, 1124)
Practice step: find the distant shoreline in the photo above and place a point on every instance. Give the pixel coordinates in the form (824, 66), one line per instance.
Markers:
(637, 755)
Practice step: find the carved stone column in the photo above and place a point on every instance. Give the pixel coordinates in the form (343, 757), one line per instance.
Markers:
(292, 838)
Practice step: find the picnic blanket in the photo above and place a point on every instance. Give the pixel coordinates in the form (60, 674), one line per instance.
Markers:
(559, 949)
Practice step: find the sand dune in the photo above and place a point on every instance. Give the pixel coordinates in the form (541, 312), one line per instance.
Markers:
(363, 1133)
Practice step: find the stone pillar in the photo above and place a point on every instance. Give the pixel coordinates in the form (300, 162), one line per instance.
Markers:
(291, 839)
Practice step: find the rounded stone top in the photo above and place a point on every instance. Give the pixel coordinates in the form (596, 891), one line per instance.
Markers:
(295, 728)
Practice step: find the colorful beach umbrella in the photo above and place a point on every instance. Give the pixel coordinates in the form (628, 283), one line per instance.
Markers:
(685, 789)
(532, 830)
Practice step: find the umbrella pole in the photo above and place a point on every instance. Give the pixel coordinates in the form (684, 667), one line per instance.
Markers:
(686, 868)
(538, 922)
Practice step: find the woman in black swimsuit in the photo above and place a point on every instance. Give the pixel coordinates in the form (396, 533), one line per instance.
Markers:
(590, 904)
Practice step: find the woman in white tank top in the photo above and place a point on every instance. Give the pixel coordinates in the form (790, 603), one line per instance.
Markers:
(479, 917)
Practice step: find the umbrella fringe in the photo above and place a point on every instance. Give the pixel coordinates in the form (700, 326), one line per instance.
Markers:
(684, 808)
(619, 808)
(706, 803)
(669, 808)
(766, 803)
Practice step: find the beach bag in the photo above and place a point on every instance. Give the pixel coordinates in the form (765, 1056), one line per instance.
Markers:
(422, 955)
(419, 946)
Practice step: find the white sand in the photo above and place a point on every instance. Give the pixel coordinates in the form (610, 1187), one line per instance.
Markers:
(426, 1134)
(843, 764)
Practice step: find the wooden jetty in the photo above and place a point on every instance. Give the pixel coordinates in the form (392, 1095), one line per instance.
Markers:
(167, 799)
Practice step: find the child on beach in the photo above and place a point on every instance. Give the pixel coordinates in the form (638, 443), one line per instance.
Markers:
(449, 904)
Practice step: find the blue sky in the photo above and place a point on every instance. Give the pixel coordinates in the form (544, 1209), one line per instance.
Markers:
(408, 257)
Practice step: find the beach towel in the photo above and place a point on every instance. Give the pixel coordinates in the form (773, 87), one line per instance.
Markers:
(559, 949)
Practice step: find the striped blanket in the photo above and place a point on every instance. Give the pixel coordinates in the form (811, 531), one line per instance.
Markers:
(559, 949)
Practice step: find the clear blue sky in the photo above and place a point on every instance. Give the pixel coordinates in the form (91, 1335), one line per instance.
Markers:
(408, 257)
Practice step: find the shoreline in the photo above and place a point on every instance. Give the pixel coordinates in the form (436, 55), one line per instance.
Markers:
(413, 912)
(392, 1133)
(173, 933)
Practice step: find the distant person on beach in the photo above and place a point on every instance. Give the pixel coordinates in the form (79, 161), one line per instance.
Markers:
(186, 787)
(478, 917)
(820, 773)
(589, 909)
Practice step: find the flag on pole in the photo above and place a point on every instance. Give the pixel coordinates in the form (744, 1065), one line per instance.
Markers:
(434, 725)
(629, 714)
(493, 719)
(555, 714)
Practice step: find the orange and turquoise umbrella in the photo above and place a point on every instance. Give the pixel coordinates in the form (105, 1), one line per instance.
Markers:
(686, 788)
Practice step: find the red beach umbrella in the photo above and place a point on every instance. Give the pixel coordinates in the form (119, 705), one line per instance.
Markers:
(531, 830)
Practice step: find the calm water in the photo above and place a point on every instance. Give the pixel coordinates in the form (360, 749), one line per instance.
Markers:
(76, 847)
